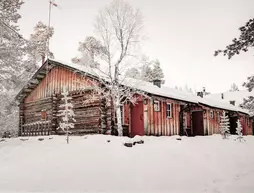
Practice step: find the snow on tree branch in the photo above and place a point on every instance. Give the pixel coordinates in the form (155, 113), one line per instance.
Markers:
(242, 43)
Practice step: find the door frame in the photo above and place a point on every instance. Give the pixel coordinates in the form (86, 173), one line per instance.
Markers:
(203, 128)
(140, 117)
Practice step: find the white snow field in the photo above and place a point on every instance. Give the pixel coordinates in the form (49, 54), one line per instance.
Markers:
(162, 164)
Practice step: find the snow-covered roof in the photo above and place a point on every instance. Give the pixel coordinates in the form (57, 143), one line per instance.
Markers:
(236, 96)
(221, 105)
(163, 91)
(153, 89)
(135, 83)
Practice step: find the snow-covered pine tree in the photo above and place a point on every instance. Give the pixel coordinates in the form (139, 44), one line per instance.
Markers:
(133, 73)
(11, 63)
(243, 43)
(37, 46)
(239, 131)
(89, 49)
(224, 125)
(11, 44)
(67, 114)
(157, 72)
(233, 88)
(9, 11)
(146, 72)
(149, 70)
(248, 103)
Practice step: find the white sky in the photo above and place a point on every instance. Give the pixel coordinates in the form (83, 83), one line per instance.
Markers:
(182, 34)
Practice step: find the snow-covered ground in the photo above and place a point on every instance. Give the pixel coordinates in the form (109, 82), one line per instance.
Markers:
(161, 164)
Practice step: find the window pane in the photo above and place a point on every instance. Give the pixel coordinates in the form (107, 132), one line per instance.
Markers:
(156, 106)
(168, 112)
(168, 107)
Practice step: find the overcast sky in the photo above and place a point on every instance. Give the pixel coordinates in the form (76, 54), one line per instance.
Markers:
(182, 34)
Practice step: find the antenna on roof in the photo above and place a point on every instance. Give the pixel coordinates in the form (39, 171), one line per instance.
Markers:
(51, 2)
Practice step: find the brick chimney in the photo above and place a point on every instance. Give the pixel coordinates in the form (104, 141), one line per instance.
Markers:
(232, 102)
(157, 82)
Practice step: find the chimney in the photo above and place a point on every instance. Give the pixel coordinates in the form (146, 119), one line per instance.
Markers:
(200, 94)
(157, 82)
(222, 96)
(232, 102)
(204, 92)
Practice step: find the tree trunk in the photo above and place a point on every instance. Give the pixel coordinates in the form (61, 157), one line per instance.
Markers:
(119, 117)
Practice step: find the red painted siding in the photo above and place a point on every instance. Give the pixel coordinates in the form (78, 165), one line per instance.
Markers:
(54, 82)
(157, 122)
(126, 114)
(246, 125)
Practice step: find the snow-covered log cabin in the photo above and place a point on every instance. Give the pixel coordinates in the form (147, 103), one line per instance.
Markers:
(162, 112)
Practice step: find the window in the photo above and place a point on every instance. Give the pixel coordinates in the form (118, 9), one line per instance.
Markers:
(156, 106)
(43, 115)
(211, 114)
(169, 110)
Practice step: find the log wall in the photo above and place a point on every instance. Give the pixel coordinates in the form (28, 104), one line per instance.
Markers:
(32, 117)
(87, 115)
(33, 110)
(47, 96)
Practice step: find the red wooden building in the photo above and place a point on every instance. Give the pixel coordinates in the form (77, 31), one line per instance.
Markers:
(165, 112)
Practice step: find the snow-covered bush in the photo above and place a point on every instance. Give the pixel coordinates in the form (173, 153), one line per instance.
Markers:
(239, 131)
(9, 115)
(67, 114)
(224, 125)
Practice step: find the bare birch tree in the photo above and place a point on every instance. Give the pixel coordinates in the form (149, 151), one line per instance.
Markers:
(118, 34)
(119, 28)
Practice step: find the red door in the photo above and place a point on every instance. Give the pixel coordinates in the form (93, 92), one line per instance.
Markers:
(137, 119)
(197, 123)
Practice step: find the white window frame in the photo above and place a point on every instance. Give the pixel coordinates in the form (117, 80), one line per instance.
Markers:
(211, 114)
(170, 104)
(158, 105)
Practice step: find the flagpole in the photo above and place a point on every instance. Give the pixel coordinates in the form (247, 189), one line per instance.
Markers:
(47, 51)
(49, 27)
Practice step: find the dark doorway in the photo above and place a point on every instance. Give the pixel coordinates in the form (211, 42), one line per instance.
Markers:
(197, 123)
(181, 120)
(137, 119)
(233, 124)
